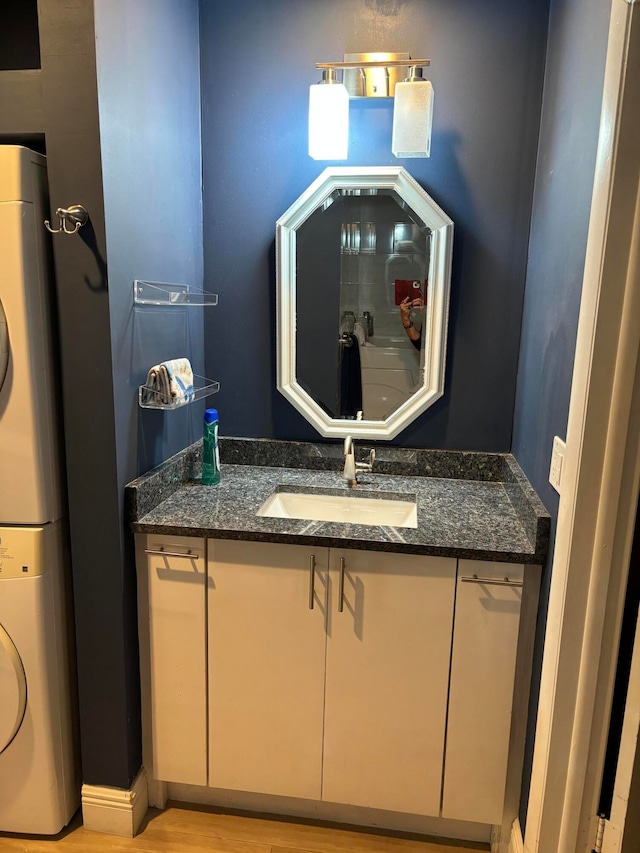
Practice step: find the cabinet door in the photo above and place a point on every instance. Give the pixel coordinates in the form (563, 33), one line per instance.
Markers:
(174, 656)
(388, 654)
(483, 665)
(266, 667)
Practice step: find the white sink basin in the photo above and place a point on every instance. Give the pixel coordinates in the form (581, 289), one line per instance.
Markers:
(342, 508)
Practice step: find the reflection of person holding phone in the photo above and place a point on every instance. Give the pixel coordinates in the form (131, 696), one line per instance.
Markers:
(407, 304)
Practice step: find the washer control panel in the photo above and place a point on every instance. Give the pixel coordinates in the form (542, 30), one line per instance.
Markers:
(23, 551)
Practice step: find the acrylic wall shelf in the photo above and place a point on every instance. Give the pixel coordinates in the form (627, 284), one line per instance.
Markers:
(150, 398)
(161, 293)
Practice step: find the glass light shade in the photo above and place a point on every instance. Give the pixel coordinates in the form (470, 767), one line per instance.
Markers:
(328, 121)
(412, 119)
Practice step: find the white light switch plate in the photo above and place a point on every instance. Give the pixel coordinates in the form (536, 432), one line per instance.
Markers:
(557, 463)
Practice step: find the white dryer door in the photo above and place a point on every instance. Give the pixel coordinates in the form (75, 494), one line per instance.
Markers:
(4, 345)
(13, 689)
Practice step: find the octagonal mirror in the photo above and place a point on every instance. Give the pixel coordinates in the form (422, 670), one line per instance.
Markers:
(363, 276)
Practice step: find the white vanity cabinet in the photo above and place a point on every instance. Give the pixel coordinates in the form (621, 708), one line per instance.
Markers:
(172, 578)
(389, 627)
(483, 668)
(328, 673)
(357, 678)
(266, 667)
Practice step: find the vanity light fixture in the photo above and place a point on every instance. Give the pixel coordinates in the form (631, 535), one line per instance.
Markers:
(371, 75)
(328, 118)
(412, 116)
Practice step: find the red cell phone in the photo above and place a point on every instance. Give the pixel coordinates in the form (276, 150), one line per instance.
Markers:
(412, 288)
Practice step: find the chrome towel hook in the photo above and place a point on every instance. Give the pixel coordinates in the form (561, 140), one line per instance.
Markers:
(76, 215)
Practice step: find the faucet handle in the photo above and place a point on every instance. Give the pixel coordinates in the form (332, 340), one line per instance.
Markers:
(367, 466)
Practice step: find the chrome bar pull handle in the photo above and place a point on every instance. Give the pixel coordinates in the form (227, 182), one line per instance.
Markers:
(312, 579)
(162, 553)
(341, 585)
(491, 581)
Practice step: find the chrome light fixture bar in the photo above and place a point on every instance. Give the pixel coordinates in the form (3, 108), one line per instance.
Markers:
(371, 75)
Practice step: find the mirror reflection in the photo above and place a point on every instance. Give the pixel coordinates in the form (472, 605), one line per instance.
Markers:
(362, 296)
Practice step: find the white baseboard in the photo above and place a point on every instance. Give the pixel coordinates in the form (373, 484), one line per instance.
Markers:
(115, 811)
(516, 843)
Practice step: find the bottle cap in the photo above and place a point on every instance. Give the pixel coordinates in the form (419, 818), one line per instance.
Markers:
(210, 415)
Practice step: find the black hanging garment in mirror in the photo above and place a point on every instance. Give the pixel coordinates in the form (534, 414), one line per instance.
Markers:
(350, 378)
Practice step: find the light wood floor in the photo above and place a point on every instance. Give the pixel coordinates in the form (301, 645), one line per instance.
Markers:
(195, 829)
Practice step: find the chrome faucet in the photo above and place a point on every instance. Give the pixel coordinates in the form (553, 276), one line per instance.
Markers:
(351, 467)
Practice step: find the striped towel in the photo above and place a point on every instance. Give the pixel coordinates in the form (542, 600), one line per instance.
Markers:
(169, 383)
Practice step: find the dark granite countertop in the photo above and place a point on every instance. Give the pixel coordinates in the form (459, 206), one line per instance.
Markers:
(472, 505)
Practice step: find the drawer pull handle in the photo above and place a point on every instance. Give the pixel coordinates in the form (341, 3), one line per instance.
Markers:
(312, 579)
(341, 585)
(162, 553)
(489, 581)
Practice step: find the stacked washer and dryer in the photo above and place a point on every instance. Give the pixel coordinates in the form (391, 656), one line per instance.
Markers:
(39, 779)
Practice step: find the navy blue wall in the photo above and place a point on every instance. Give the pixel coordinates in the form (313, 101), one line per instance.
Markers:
(149, 113)
(149, 106)
(487, 64)
(574, 76)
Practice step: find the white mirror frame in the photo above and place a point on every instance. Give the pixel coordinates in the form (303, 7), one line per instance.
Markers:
(434, 344)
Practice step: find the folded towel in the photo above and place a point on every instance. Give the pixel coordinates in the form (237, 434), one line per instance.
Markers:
(169, 383)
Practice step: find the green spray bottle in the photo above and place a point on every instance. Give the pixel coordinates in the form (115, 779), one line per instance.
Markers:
(210, 451)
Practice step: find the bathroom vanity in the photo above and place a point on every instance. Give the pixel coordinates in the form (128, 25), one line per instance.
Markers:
(367, 673)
